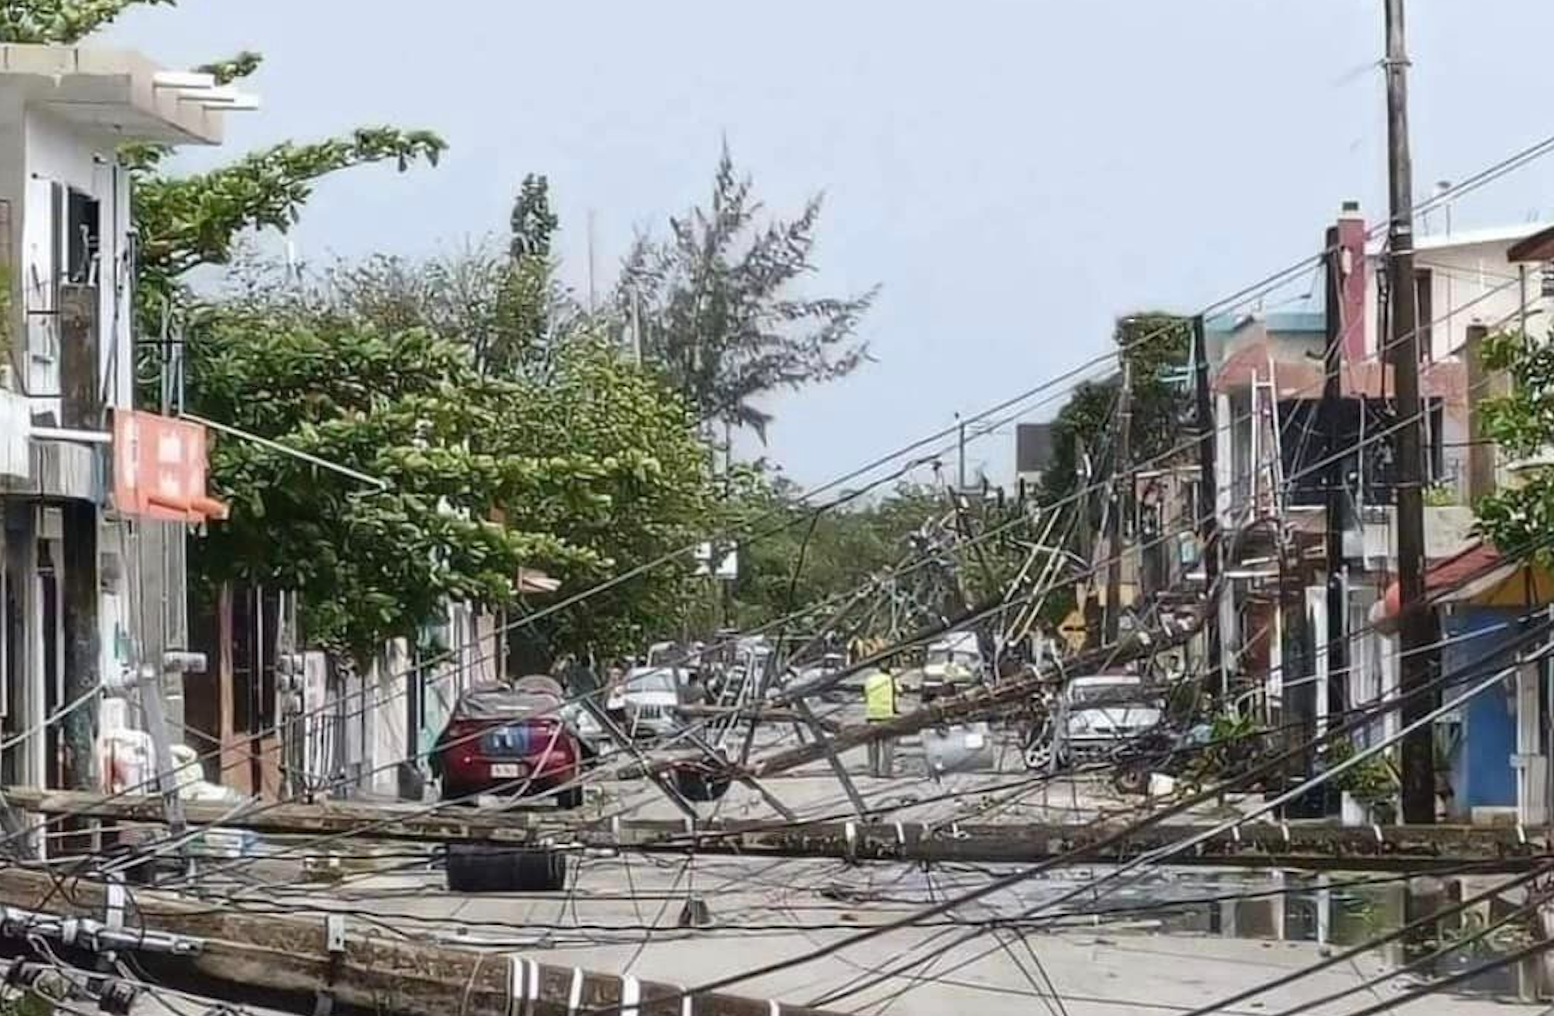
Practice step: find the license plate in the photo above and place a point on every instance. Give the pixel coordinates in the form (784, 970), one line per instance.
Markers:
(973, 741)
(508, 771)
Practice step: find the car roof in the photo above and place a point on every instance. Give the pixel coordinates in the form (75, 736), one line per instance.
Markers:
(1106, 679)
(504, 701)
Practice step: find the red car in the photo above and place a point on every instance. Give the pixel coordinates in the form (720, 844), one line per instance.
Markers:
(509, 739)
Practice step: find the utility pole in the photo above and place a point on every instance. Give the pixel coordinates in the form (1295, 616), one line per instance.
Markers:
(960, 454)
(1418, 747)
(80, 408)
(1121, 478)
(1335, 481)
(1215, 676)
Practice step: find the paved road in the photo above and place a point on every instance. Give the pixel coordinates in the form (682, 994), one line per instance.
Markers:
(623, 913)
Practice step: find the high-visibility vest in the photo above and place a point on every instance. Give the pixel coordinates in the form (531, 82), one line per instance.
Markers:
(879, 696)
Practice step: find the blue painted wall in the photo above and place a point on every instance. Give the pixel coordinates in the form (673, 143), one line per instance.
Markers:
(1481, 773)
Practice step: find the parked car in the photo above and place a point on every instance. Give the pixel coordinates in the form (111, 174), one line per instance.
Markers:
(951, 665)
(510, 740)
(1104, 712)
(647, 700)
(1096, 716)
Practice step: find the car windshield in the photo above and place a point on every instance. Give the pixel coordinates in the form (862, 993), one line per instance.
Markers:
(1129, 692)
(651, 681)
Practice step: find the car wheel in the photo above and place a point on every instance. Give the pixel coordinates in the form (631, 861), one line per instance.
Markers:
(700, 784)
(1131, 778)
(1041, 750)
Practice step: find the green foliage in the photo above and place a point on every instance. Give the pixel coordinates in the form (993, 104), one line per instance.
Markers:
(1372, 782)
(1233, 741)
(841, 549)
(60, 21)
(234, 68)
(194, 220)
(1522, 424)
(716, 311)
(1156, 346)
(533, 221)
(582, 475)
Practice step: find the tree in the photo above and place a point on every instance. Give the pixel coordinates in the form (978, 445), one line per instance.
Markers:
(1155, 345)
(812, 561)
(61, 21)
(715, 308)
(189, 221)
(583, 475)
(1520, 518)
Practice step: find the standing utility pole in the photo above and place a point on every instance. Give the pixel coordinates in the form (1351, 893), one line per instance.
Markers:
(1215, 676)
(81, 408)
(1418, 746)
(1334, 480)
(1121, 479)
(960, 454)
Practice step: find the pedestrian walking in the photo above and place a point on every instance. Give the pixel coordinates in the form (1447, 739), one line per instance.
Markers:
(879, 702)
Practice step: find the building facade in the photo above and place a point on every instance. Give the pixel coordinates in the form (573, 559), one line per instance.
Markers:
(95, 498)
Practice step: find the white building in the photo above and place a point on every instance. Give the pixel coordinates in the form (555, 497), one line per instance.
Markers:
(91, 584)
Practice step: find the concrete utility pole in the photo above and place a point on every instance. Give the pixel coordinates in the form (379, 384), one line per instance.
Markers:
(1121, 479)
(960, 454)
(337, 962)
(1418, 747)
(81, 408)
(1336, 494)
(1215, 676)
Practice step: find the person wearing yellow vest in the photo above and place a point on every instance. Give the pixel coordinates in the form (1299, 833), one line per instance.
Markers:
(879, 703)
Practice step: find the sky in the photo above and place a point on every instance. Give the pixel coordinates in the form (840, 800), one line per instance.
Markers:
(1014, 175)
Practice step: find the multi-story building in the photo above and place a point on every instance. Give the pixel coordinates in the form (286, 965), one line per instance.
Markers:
(1274, 483)
(95, 497)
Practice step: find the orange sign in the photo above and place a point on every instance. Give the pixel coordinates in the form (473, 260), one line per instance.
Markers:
(159, 468)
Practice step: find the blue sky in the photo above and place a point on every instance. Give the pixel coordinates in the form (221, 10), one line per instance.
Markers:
(1014, 174)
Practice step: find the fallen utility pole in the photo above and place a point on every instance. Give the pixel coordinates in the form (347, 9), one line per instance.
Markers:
(984, 700)
(295, 963)
(1256, 844)
(1418, 748)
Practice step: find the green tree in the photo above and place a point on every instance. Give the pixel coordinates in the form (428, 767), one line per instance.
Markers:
(808, 560)
(61, 21)
(715, 306)
(583, 475)
(1155, 345)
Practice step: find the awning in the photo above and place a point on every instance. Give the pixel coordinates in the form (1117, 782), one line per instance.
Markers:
(1473, 573)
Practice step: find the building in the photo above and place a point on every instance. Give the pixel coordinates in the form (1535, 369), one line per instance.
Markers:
(95, 496)
(1273, 469)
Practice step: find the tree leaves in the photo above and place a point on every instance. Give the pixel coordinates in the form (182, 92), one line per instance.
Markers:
(713, 307)
(61, 21)
(1521, 423)
(592, 469)
(194, 220)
